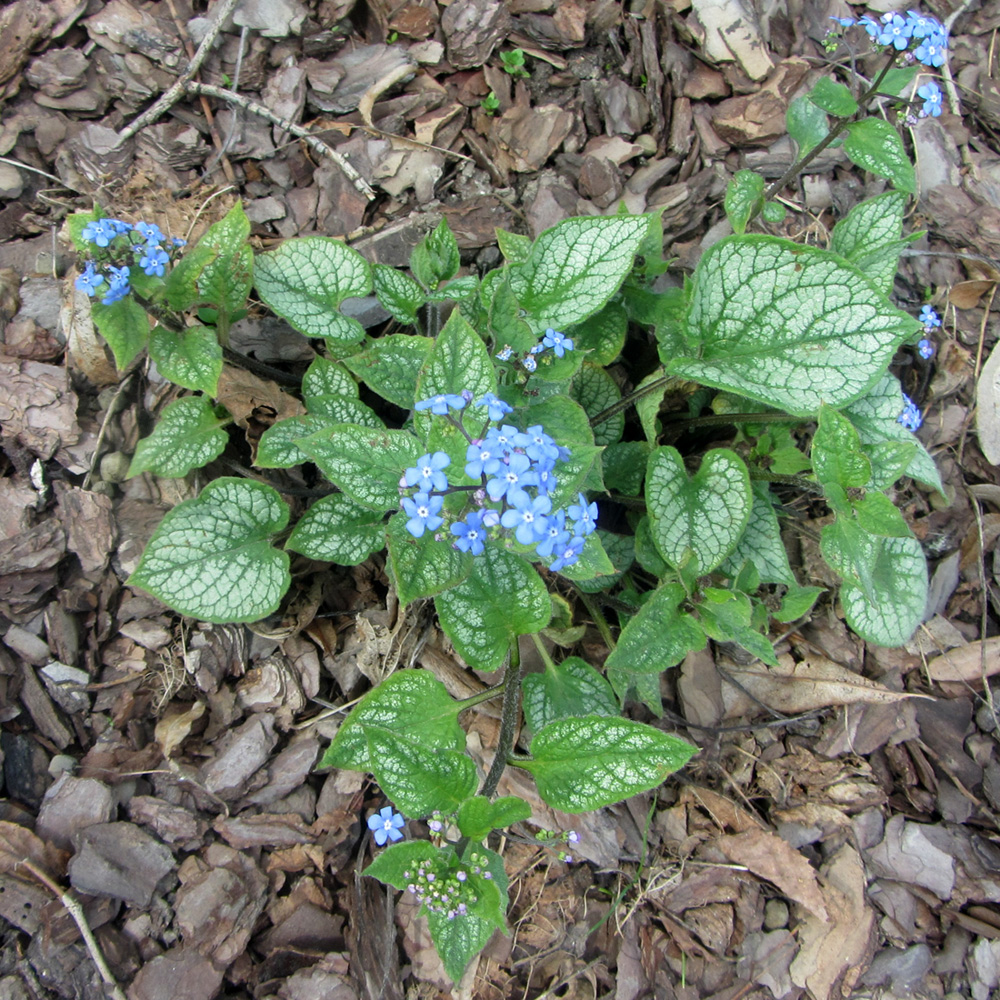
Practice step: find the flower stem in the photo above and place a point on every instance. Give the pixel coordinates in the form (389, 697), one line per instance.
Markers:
(509, 714)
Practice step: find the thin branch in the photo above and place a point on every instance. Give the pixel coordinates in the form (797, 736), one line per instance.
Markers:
(176, 91)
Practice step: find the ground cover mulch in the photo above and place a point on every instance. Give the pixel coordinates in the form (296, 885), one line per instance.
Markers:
(836, 836)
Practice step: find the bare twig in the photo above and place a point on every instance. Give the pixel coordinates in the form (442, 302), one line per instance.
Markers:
(75, 910)
(297, 130)
(170, 97)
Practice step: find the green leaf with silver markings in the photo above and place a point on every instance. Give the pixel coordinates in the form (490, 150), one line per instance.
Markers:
(807, 124)
(743, 193)
(575, 267)
(411, 703)
(595, 390)
(124, 325)
(191, 358)
(457, 362)
(366, 463)
(211, 557)
(875, 145)
(436, 258)
(424, 566)
(500, 599)
(833, 97)
(335, 529)
(584, 763)
(187, 436)
(870, 237)
(478, 816)
(791, 326)
(391, 365)
(761, 543)
(398, 293)
(305, 280)
(836, 452)
(726, 616)
(327, 378)
(700, 517)
(277, 448)
(419, 780)
(564, 690)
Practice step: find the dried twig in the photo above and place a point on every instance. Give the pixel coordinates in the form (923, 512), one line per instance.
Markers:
(297, 130)
(170, 97)
(75, 910)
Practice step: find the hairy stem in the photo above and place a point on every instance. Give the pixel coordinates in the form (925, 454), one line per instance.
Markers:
(626, 401)
(509, 714)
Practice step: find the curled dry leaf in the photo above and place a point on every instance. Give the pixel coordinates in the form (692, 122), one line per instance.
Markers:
(967, 664)
(18, 844)
(175, 726)
(775, 860)
(988, 408)
(813, 683)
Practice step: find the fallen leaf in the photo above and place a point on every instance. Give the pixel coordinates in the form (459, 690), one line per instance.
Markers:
(175, 725)
(966, 294)
(988, 407)
(968, 664)
(773, 859)
(725, 812)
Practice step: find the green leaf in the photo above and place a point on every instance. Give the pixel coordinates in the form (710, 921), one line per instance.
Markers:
(726, 617)
(191, 358)
(502, 598)
(477, 816)
(326, 378)
(365, 463)
(890, 460)
(878, 515)
(603, 334)
(595, 390)
(834, 98)
(564, 690)
(424, 566)
(278, 448)
(876, 418)
(181, 282)
(899, 594)
(773, 212)
(334, 529)
(575, 267)
(211, 557)
(343, 410)
(658, 637)
(585, 763)
(836, 452)
(398, 293)
(791, 326)
(458, 941)
(410, 703)
(124, 325)
(647, 555)
(390, 366)
(647, 407)
(625, 466)
(796, 603)
(224, 280)
(603, 562)
(701, 517)
(899, 78)
(391, 865)
(459, 290)
(761, 543)
(187, 436)
(436, 258)
(743, 193)
(873, 144)
(869, 236)
(457, 361)
(564, 419)
(419, 780)
(305, 280)
(515, 248)
(852, 552)
(807, 124)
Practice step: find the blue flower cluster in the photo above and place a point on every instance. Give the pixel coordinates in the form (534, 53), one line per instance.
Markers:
(911, 417)
(516, 470)
(141, 243)
(931, 321)
(552, 340)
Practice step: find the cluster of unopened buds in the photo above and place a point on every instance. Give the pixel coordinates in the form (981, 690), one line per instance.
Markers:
(555, 837)
(918, 38)
(122, 245)
(516, 473)
(553, 340)
(442, 884)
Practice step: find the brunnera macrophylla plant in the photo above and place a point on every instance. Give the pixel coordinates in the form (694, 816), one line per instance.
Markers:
(515, 472)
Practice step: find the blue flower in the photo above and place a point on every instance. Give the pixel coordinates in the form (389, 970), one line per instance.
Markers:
(440, 404)
(931, 95)
(155, 260)
(844, 22)
(471, 533)
(530, 364)
(870, 25)
(508, 477)
(505, 354)
(100, 231)
(423, 511)
(118, 285)
(568, 554)
(929, 318)
(481, 459)
(386, 825)
(930, 51)
(427, 473)
(90, 280)
(537, 445)
(150, 232)
(921, 26)
(896, 31)
(556, 536)
(501, 440)
(584, 514)
(557, 341)
(496, 408)
(925, 348)
(527, 516)
(911, 417)
(177, 241)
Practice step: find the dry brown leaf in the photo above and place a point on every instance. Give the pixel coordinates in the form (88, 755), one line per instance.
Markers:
(775, 860)
(242, 392)
(837, 949)
(813, 683)
(18, 844)
(173, 729)
(988, 407)
(725, 812)
(967, 663)
(966, 294)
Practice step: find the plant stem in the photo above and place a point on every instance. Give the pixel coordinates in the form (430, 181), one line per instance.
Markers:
(509, 715)
(839, 124)
(477, 699)
(724, 419)
(626, 401)
(542, 652)
(599, 620)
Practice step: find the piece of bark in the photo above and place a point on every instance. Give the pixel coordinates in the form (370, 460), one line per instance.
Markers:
(180, 972)
(22, 25)
(240, 754)
(73, 804)
(472, 29)
(38, 406)
(119, 860)
(169, 822)
(36, 700)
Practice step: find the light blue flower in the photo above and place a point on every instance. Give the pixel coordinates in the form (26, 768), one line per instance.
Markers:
(481, 459)
(556, 536)
(150, 232)
(118, 285)
(423, 511)
(925, 349)
(154, 261)
(921, 25)
(90, 280)
(385, 825)
(427, 474)
(584, 514)
(527, 516)
(929, 318)
(508, 477)
(441, 403)
(930, 51)
(568, 555)
(844, 22)
(931, 95)
(911, 417)
(100, 232)
(530, 364)
(896, 31)
(470, 533)
(496, 408)
(557, 341)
